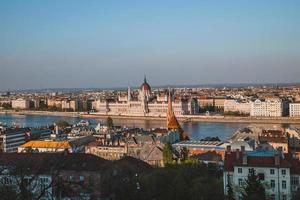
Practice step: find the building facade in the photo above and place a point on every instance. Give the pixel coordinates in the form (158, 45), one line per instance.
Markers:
(231, 105)
(271, 107)
(20, 104)
(294, 109)
(108, 152)
(11, 139)
(272, 168)
(145, 104)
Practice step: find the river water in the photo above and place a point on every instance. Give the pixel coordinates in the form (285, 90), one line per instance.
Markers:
(196, 130)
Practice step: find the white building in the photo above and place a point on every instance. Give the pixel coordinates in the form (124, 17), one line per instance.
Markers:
(12, 139)
(294, 109)
(20, 104)
(232, 105)
(145, 105)
(272, 168)
(69, 104)
(271, 107)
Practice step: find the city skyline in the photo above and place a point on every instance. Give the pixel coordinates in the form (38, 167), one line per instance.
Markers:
(78, 44)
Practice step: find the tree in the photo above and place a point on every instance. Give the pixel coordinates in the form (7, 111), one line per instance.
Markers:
(253, 188)
(184, 154)
(7, 192)
(230, 194)
(168, 154)
(6, 106)
(62, 124)
(109, 123)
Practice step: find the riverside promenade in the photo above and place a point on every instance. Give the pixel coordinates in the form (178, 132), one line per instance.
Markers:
(185, 118)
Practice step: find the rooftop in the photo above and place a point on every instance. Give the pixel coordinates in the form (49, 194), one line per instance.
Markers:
(199, 144)
(47, 144)
(261, 153)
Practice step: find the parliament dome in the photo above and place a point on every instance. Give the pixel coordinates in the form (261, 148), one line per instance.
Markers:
(145, 86)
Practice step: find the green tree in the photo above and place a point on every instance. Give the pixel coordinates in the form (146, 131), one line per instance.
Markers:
(184, 154)
(230, 194)
(253, 188)
(62, 124)
(168, 154)
(6, 106)
(7, 192)
(109, 123)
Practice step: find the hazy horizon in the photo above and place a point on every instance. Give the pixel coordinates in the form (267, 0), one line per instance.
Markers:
(110, 44)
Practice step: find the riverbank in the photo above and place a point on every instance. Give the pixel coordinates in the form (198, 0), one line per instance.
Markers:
(187, 118)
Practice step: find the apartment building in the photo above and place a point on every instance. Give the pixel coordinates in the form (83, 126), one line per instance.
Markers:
(270, 107)
(20, 104)
(108, 152)
(11, 139)
(232, 105)
(276, 171)
(294, 109)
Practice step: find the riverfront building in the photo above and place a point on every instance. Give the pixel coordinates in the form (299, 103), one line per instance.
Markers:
(270, 107)
(20, 104)
(294, 109)
(145, 104)
(232, 105)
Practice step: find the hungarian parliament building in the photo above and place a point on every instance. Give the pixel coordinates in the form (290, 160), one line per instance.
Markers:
(145, 103)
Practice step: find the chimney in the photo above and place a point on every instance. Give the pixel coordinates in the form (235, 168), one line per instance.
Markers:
(237, 153)
(280, 151)
(245, 162)
(228, 148)
(242, 148)
(277, 159)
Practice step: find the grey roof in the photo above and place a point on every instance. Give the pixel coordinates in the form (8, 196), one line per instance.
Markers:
(199, 144)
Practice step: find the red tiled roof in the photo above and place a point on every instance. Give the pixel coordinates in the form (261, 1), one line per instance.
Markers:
(231, 161)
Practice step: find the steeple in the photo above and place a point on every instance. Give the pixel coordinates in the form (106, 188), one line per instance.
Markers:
(145, 79)
(172, 122)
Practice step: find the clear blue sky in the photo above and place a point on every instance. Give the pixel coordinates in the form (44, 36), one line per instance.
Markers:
(108, 43)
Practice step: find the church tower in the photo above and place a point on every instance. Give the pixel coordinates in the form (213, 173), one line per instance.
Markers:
(172, 122)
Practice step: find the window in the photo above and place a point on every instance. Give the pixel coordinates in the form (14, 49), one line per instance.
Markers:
(261, 176)
(240, 182)
(71, 178)
(81, 178)
(272, 171)
(44, 180)
(240, 170)
(7, 181)
(294, 180)
(283, 172)
(272, 183)
(283, 184)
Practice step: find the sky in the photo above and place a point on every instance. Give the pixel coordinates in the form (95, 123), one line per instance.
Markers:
(101, 43)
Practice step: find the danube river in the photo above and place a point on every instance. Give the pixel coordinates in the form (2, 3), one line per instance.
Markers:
(196, 130)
